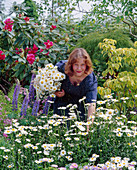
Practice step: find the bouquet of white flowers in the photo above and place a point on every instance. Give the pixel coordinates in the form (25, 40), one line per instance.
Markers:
(48, 80)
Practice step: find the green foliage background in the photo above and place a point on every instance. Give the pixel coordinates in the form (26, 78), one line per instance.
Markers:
(32, 9)
(91, 41)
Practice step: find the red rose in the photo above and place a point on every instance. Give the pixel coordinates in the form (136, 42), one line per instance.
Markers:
(8, 27)
(26, 19)
(53, 27)
(8, 21)
(35, 48)
(30, 58)
(2, 56)
(8, 24)
(48, 44)
(41, 50)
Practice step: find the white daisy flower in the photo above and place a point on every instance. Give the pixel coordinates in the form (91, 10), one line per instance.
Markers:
(10, 166)
(34, 147)
(120, 165)
(133, 163)
(92, 159)
(17, 140)
(81, 128)
(68, 138)
(46, 152)
(62, 152)
(124, 98)
(5, 157)
(80, 100)
(7, 131)
(76, 138)
(101, 102)
(28, 145)
(131, 168)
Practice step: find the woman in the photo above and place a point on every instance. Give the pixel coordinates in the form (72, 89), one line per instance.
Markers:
(80, 81)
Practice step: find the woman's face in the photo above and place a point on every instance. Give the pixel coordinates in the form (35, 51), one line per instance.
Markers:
(79, 67)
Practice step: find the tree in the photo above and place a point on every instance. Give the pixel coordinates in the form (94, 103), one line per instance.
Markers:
(32, 10)
(101, 13)
(61, 8)
(120, 10)
(2, 7)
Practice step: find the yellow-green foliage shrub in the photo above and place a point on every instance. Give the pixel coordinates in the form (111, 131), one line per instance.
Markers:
(124, 85)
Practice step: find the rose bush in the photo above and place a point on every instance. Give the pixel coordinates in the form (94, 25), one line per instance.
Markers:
(20, 36)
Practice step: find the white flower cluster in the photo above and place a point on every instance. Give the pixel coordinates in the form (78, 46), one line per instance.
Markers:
(48, 80)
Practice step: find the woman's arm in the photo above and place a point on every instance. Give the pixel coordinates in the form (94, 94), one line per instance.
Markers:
(91, 112)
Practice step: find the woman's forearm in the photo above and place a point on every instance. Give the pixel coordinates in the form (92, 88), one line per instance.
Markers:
(91, 110)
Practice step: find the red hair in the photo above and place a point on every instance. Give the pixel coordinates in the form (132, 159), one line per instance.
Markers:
(73, 58)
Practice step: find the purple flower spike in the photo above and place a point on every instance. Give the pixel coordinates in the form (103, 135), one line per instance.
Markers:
(35, 107)
(31, 91)
(25, 104)
(15, 96)
(47, 105)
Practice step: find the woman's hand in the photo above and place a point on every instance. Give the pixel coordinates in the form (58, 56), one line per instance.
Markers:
(60, 93)
(91, 112)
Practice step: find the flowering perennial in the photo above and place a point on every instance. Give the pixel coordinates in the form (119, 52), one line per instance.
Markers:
(26, 19)
(47, 80)
(2, 56)
(48, 44)
(31, 91)
(30, 58)
(31, 54)
(15, 96)
(53, 27)
(8, 24)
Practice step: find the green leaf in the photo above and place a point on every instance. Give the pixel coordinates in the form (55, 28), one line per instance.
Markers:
(17, 66)
(16, 56)
(126, 13)
(16, 41)
(118, 19)
(21, 75)
(21, 60)
(61, 42)
(19, 71)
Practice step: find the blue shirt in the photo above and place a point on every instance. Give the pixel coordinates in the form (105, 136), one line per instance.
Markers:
(87, 88)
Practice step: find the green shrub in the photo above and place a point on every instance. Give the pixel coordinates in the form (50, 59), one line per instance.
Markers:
(123, 82)
(90, 43)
